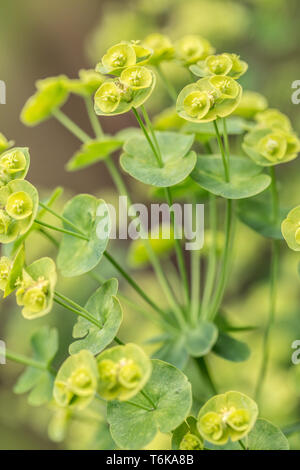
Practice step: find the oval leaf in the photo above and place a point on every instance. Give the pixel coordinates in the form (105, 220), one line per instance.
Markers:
(92, 152)
(231, 349)
(267, 436)
(201, 339)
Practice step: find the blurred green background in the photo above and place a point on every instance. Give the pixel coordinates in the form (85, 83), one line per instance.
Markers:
(40, 39)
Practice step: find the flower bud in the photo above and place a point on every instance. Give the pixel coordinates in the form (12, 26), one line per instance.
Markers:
(211, 425)
(218, 64)
(274, 119)
(4, 143)
(190, 442)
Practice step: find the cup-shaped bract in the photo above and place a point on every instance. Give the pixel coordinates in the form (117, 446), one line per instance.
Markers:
(36, 288)
(4, 143)
(290, 229)
(11, 271)
(162, 48)
(186, 436)
(51, 94)
(18, 208)
(5, 268)
(142, 51)
(230, 415)
(251, 104)
(87, 84)
(268, 147)
(14, 164)
(123, 372)
(136, 77)
(132, 89)
(192, 48)
(274, 119)
(75, 385)
(117, 58)
(209, 98)
(220, 64)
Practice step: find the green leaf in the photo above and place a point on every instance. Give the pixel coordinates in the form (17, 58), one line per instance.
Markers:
(40, 382)
(173, 351)
(267, 436)
(201, 339)
(204, 131)
(245, 177)
(92, 152)
(106, 309)
(77, 256)
(231, 349)
(51, 94)
(189, 426)
(257, 214)
(132, 427)
(178, 162)
(181, 191)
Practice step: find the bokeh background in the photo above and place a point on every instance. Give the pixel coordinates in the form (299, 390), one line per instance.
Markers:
(40, 39)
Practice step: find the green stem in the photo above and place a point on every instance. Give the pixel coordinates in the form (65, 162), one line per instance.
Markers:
(95, 123)
(291, 429)
(202, 365)
(62, 230)
(273, 292)
(168, 85)
(212, 257)
(225, 261)
(242, 445)
(138, 405)
(71, 125)
(142, 126)
(60, 217)
(79, 313)
(195, 287)
(27, 361)
(220, 143)
(77, 307)
(226, 142)
(49, 237)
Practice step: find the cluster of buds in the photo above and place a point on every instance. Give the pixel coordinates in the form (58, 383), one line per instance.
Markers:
(272, 140)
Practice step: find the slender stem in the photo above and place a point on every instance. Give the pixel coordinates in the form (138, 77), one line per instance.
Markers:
(202, 365)
(49, 237)
(273, 292)
(77, 306)
(225, 164)
(60, 217)
(226, 142)
(93, 117)
(291, 429)
(78, 313)
(168, 85)
(212, 257)
(62, 230)
(195, 287)
(138, 405)
(242, 444)
(225, 261)
(133, 284)
(71, 125)
(142, 125)
(26, 361)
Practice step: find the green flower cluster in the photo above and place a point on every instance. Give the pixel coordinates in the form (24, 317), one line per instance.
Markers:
(132, 83)
(118, 373)
(216, 94)
(230, 415)
(272, 140)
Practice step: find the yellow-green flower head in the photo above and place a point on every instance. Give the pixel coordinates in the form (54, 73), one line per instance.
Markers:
(220, 64)
(117, 58)
(209, 98)
(274, 119)
(14, 164)
(190, 442)
(230, 415)
(123, 372)
(251, 104)
(5, 268)
(18, 208)
(142, 51)
(108, 97)
(190, 49)
(36, 288)
(4, 143)
(75, 385)
(269, 147)
(51, 94)
(136, 77)
(290, 229)
(162, 47)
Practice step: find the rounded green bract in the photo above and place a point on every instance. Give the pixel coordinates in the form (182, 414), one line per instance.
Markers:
(274, 119)
(251, 104)
(162, 48)
(136, 77)
(220, 64)
(192, 48)
(290, 229)
(117, 58)
(230, 415)
(75, 385)
(123, 372)
(14, 164)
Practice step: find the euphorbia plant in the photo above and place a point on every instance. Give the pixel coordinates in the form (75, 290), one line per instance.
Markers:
(184, 156)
